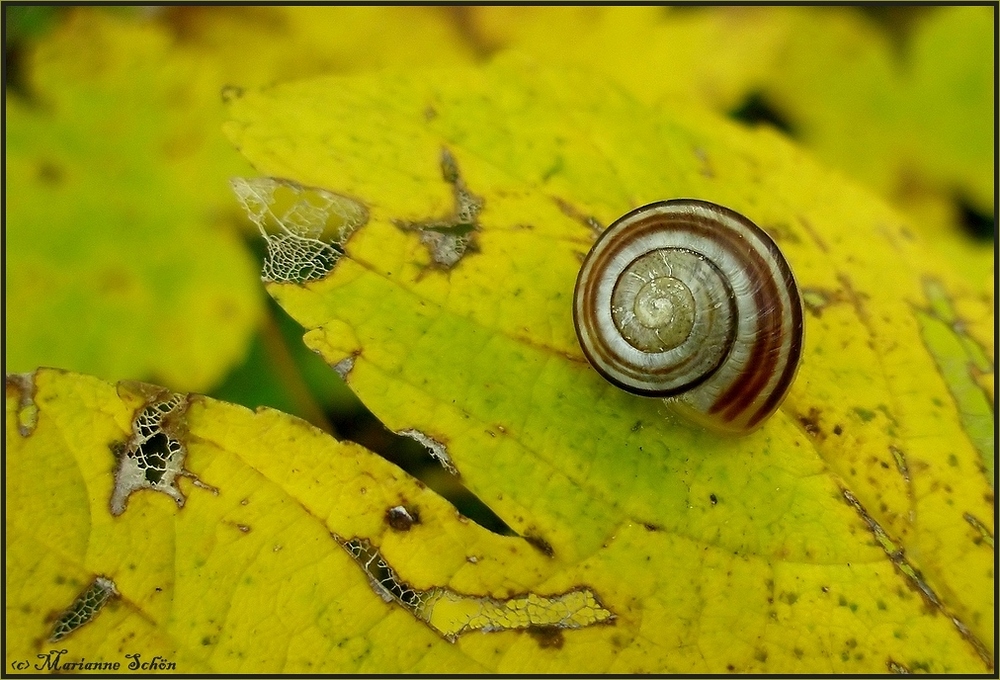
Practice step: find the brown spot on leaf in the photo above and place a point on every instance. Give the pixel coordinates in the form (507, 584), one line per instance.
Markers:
(817, 299)
(571, 211)
(899, 457)
(230, 93)
(781, 233)
(540, 544)
(985, 536)
(896, 667)
(813, 235)
(116, 281)
(483, 43)
(856, 299)
(810, 422)
(50, 173)
(978, 374)
(448, 238)
(401, 517)
(547, 637)
(22, 385)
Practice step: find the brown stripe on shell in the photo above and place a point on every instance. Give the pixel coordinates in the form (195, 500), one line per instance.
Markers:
(771, 334)
(635, 231)
(794, 354)
(766, 349)
(702, 227)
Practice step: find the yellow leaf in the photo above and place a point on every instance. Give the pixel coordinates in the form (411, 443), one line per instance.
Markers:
(119, 240)
(949, 100)
(831, 540)
(256, 46)
(257, 544)
(659, 54)
(914, 122)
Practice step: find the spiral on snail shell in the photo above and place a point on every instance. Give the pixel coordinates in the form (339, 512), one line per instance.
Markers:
(690, 301)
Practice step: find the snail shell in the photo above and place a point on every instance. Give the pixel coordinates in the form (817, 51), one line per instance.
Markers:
(691, 301)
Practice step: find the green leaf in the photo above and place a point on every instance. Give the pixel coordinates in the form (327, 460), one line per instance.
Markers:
(119, 235)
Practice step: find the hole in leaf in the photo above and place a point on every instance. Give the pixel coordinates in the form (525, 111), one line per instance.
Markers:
(84, 608)
(157, 455)
(153, 457)
(305, 228)
(452, 613)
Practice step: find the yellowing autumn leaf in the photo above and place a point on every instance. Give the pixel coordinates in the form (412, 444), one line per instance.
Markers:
(852, 533)
(216, 539)
(121, 256)
(924, 109)
(918, 113)
(435, 224)
(715, 56)
(913, 121)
